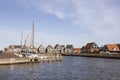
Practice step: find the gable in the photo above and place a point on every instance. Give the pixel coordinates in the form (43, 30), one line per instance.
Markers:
(91, 45)
(49, 47)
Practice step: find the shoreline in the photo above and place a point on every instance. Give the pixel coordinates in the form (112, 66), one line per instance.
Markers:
(95, 55)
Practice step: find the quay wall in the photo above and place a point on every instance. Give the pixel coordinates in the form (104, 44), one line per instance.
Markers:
(95, 55)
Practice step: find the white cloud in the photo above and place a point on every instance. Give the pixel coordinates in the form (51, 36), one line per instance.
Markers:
(52, 7)
(101, 17)
(98, 16)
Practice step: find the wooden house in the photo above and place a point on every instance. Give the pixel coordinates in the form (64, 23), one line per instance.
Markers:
(13, 48)
(69, 49)
(111, 49)
(59, 48)
(49, 49)
(77, 50)
(91, 47)
(83, 50)
(42, 49)
(118, 47)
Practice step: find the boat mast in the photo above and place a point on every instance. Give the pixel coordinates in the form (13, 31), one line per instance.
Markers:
(21, 39)
(32, 35)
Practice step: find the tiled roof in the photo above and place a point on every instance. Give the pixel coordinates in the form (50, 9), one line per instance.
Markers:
(62, 45)
(118, 46)
(49, 46)
(112, 47)
(69, 46)
(89, 45)
(76, 48)
(41, 46)
(83, 48)
(15, 46)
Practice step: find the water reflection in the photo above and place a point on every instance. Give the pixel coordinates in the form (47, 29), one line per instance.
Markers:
(71, 68)
(11, 67)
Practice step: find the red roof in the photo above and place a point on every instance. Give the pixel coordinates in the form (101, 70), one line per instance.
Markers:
(77, 49)
(112, 47)
(89, 45)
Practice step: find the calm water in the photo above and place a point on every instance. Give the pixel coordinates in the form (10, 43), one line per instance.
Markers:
(71, 68)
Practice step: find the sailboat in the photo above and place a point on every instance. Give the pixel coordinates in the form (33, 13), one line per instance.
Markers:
(29, 51)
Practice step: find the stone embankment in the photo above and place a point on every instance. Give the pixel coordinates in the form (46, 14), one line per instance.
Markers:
(95, 55)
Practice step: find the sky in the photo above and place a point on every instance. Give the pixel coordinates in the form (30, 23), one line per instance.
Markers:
(64, 22)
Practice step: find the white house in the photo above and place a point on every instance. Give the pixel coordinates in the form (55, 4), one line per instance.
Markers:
(49, 49)
(42, 49)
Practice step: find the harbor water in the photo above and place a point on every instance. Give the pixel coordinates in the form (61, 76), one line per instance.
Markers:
(70, 68)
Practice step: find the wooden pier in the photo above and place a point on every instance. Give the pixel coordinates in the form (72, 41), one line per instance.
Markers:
(41, 58)
(8, 61)
(49, 57)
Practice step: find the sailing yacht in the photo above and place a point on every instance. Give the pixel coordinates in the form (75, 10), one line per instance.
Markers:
(31, 51)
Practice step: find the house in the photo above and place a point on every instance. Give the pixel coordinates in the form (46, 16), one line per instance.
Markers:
(111, 48)
(13, 48)
(1, 51)
(91, 47)
(62, 49)
(59, 48)
(77, 50)
(83, 50)
(118, 47)
(19, 48)
(6, 50)
(69, 49)
(42, 49)
(49, 49)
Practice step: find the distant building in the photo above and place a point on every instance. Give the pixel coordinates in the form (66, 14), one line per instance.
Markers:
(111, 49)
(49, 49)
(56, 48)
(42, 49)
(69, 49)
(13, 48)
(118, 47)
(19, 48)
(62, 49)
(77, 50)
(91, 47)
(83, 50)
(1, 51)
(59, 48)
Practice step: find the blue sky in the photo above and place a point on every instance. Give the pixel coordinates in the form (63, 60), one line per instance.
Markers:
(74, 22)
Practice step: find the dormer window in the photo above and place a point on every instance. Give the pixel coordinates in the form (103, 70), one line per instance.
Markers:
(114, 49)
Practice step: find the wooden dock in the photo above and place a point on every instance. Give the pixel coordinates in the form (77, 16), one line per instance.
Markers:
(50, 57)
(41, 58)
(8, 61)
